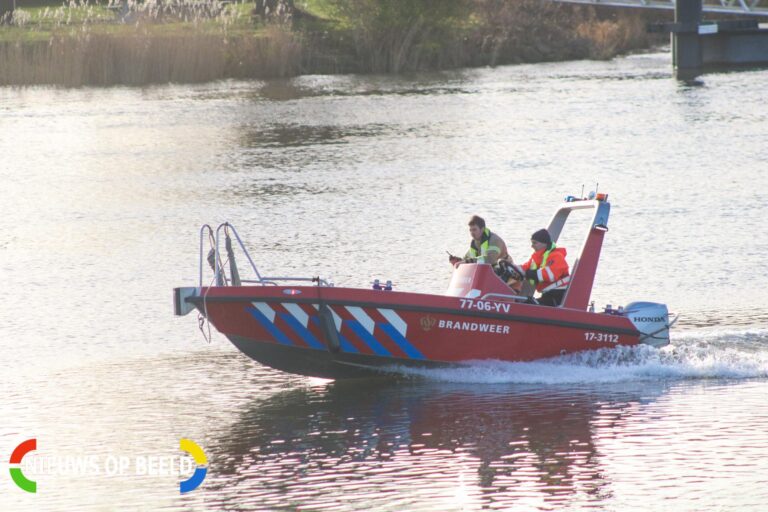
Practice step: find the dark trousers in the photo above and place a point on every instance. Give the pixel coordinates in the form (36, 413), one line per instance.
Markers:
(552, 298)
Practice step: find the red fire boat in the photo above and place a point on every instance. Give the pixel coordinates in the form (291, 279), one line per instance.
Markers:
(307, 326)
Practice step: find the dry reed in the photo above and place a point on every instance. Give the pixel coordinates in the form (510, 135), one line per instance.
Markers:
(136, 59)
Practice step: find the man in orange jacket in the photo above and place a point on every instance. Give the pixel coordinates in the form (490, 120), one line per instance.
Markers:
(547, 269)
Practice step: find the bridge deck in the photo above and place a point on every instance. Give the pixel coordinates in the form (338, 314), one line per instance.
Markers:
(750, 7)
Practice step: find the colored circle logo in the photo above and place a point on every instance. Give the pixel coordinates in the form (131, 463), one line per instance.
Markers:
(17, 475)
(198, 476)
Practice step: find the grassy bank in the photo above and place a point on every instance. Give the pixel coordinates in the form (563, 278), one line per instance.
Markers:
(102, 44)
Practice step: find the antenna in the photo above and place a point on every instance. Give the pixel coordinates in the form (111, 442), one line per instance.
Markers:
(593, 194)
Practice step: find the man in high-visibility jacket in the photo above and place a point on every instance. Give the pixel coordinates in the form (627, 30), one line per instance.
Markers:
(547, 269)
(485, 247)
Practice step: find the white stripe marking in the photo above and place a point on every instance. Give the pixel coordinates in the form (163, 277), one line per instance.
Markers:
(394, 319)
(265, 310)
(297, 312)
(362, 317)
(336, 318)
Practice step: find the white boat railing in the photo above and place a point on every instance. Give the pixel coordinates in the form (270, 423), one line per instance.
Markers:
(220, 267)
(218, 264)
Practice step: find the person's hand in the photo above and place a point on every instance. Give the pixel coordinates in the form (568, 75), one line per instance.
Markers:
(453, 259)
(532, 274)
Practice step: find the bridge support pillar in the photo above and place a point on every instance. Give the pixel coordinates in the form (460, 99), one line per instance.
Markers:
(698, 47)
(686, 46)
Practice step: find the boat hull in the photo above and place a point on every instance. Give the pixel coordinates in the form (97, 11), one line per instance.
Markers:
(326, 364)
(347, 333)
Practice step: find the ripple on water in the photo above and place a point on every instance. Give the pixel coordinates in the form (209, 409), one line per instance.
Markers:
(372, 177)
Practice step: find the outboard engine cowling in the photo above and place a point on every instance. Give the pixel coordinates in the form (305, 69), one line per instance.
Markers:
(652, 320)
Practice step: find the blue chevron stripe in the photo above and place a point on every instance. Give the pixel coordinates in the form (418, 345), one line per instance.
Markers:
(302, 331)
(400, 341)
(367, 338)
(346, 346)
(269, 326)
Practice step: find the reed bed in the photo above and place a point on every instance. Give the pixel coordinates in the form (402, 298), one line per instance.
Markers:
(139, 58)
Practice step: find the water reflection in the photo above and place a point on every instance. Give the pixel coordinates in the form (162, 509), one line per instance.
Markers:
(276, 191)
(732, 317)
(441, 82)
(283, 90)
(497, 443)
(293, 135)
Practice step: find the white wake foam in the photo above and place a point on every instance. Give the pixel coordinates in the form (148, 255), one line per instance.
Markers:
(729, 355)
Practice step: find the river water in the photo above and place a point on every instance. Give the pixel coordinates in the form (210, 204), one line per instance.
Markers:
(356, 178)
